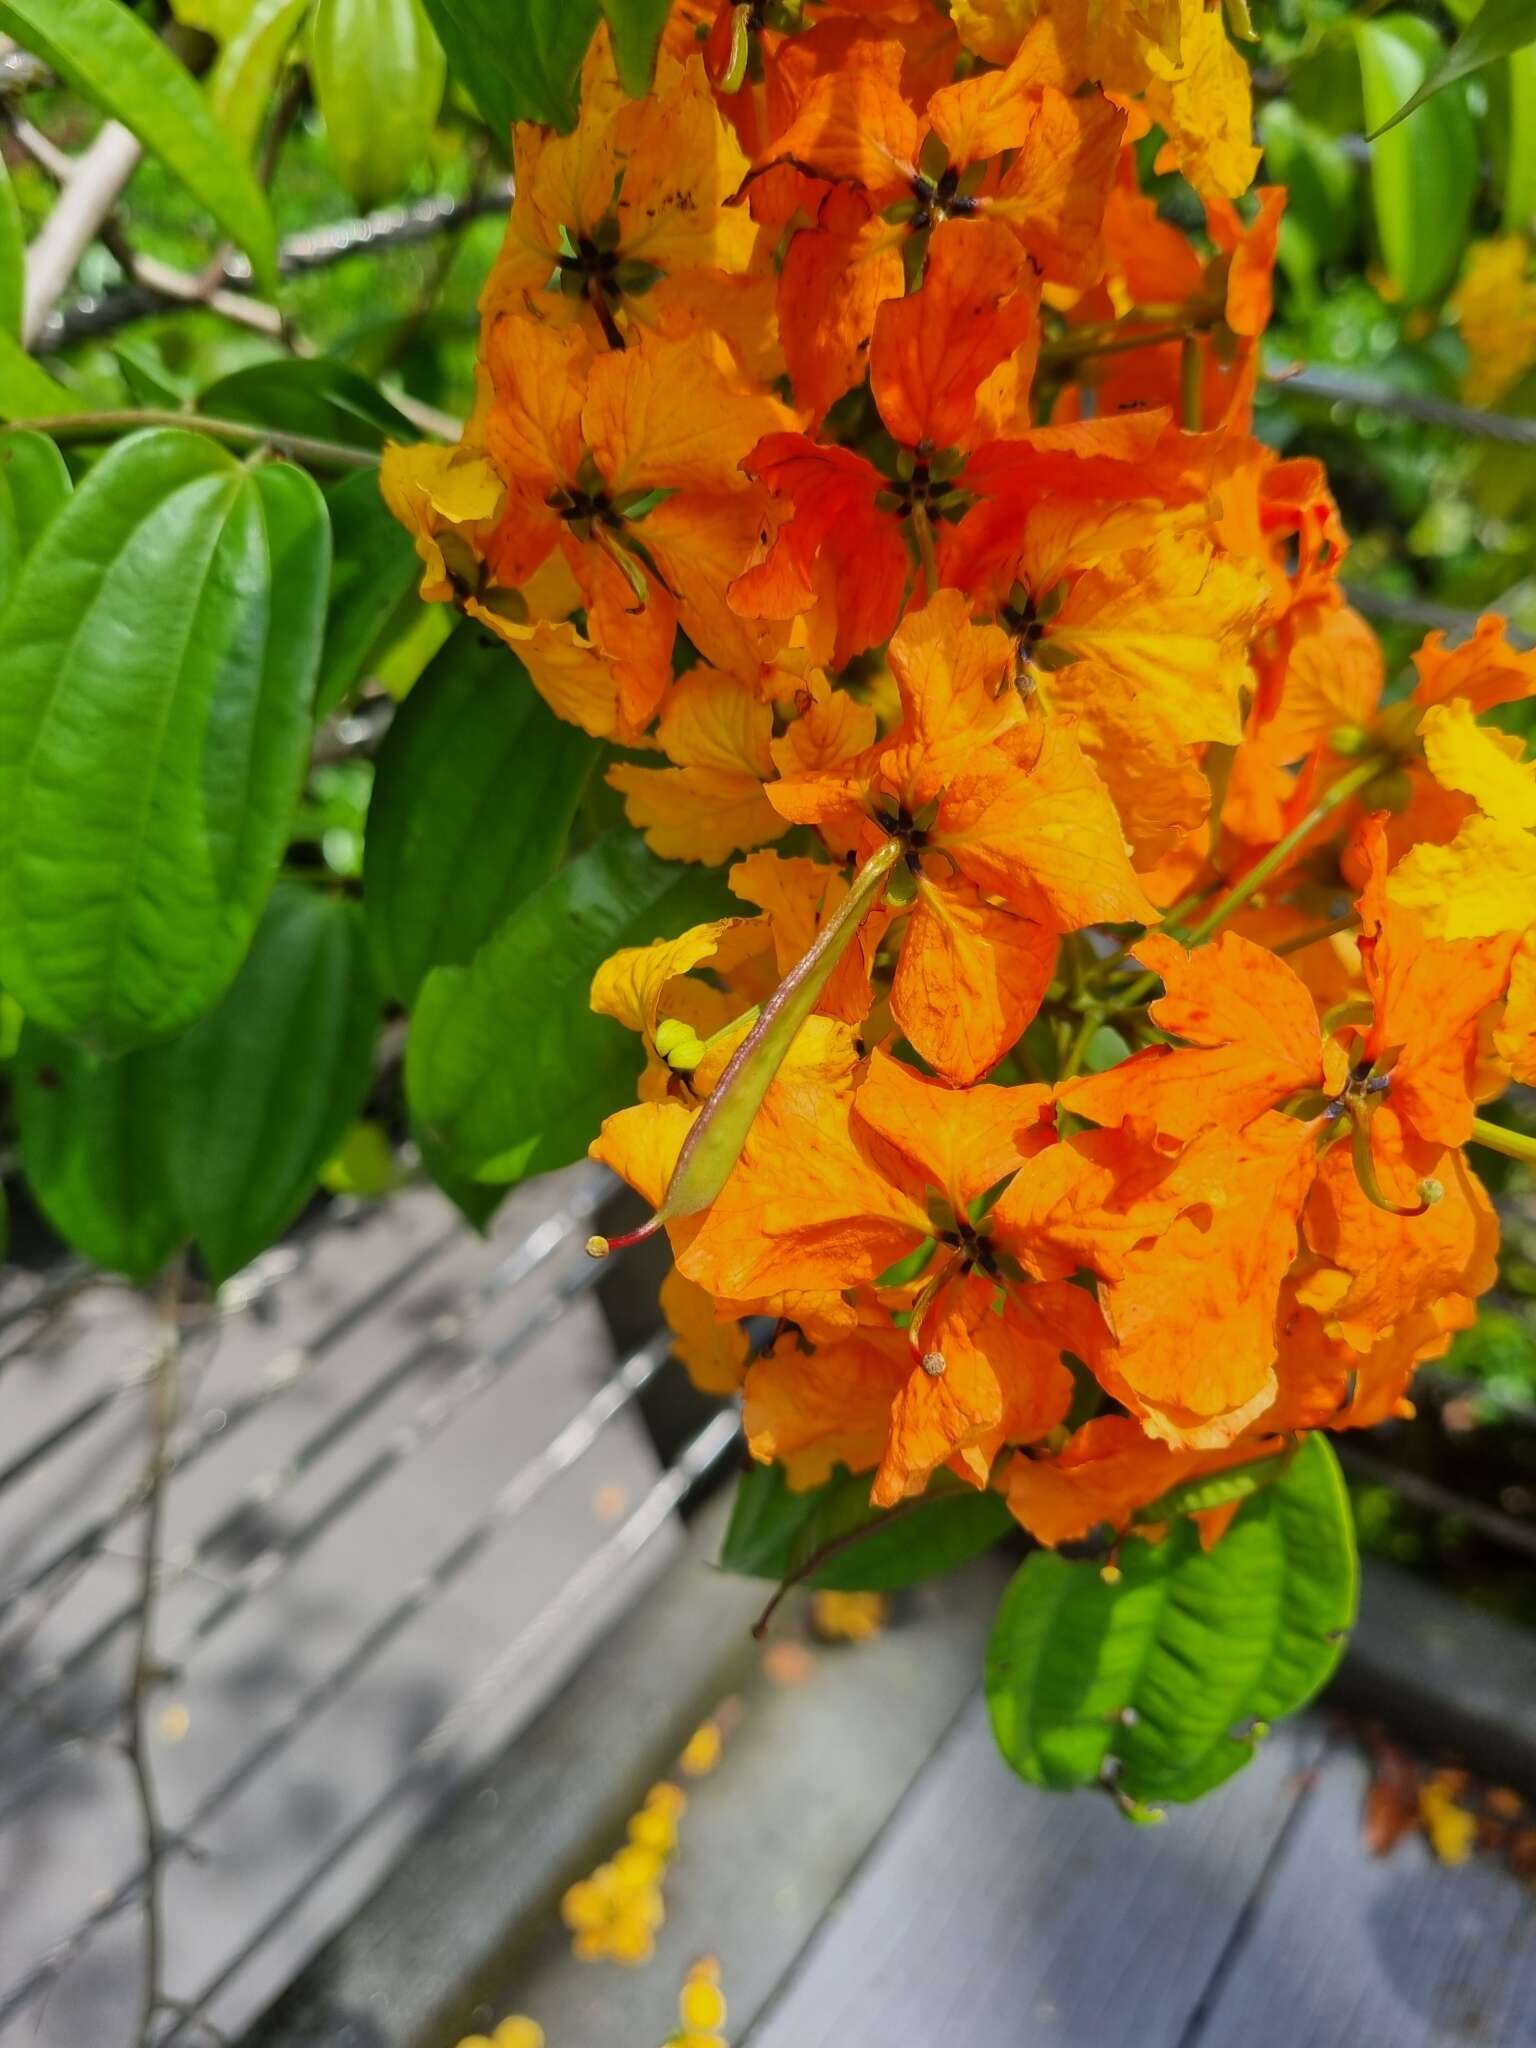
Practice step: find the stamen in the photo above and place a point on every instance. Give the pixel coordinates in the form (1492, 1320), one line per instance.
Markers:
(598, 1247)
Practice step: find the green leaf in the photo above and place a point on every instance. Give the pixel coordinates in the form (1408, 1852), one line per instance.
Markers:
(267, 1084)
(149, 379)
(1213, 1490)
(1499, 28)
(507, 1066)
(520, 63)
(243, 82)
(775, 1532)
(476, 1200)
(308, 396)
(474, 793)
(373, 569)
(161, 652)
(364, 1164)
(26, 389)
(34, 483)
(13, 258)
(92, 1148)
(636, 26)
(105, 52)
(1520, 145)
(378, 72)
(1424, 173)
(1320, 182)
(1165, 1678)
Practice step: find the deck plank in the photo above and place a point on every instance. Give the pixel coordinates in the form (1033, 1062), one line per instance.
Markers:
(293, 1847)
(1006, 1918)
(1399, 1950)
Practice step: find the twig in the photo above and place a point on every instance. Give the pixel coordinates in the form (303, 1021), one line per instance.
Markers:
(391, 227)
(162, 1419)
(193, 288)
(286, 113)
(57, 163)
(95, 185)
(834, 1548)
(104, 426)
(189, 2016)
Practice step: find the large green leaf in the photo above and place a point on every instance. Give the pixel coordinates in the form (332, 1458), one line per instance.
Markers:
(636, 26)
(1160, 1677)
(106, 53)
(308, 395)
(244, 80)
(1424, 173)
(473, 797)
(520, 63)
(267, 1084)
(161, 652)
(92, 1133)
(1498, 29)
(26, 390)
(34, 483)
(373, 568)
(774, 1532)
(507, 1067)
(378, 71)
(13, 257)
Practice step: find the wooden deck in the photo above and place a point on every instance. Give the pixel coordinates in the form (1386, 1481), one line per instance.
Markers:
(872, 1876)
(411, 1491)
(433, 1623)
(1001, 1919)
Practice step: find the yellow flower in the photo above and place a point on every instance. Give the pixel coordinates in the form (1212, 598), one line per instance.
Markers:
(1450, 1828)
(514, 2032)
(848, 1617)
(705, 1746)
(1496, 304)
(701, 2008)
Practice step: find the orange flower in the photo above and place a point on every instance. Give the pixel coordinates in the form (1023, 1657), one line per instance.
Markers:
(1403, 1076)
(710, 802)
(1002, 145)
(627, 463)
(1009, 838)
(628, 221)
(1107, 1472)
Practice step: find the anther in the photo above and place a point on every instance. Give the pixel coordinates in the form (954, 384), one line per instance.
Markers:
(935, 1364)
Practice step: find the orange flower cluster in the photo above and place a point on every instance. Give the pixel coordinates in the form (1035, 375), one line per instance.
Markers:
(859, 438)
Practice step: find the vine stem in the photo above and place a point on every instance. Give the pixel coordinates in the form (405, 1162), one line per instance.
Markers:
(163, 1392)
(102, 426)
(1513, 1144)
(834, 1548)
(1245, 890)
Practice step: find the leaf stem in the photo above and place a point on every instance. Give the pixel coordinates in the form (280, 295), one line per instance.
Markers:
(1077, 1051)
(103, 426)
(1513, 1144)
(1190, 374)
(1069, 348)
(1317, 934)
(1249, 886)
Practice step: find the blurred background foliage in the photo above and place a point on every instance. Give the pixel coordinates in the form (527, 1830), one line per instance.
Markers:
(1407, 271)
